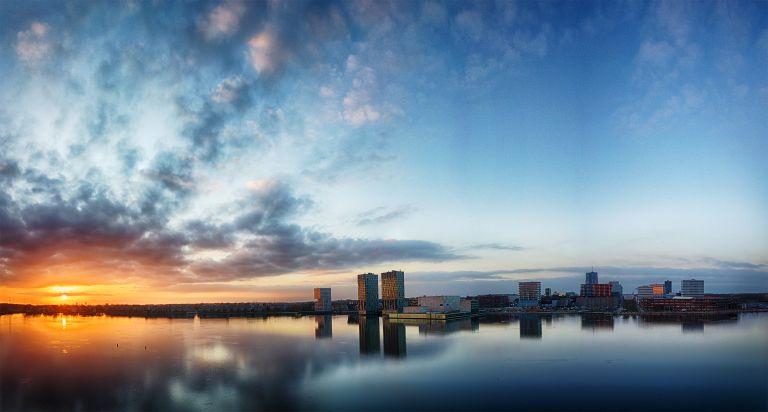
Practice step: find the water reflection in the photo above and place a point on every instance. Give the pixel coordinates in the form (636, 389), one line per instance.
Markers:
(530, 326)
(394, 339)
(103, 363)
(597, 321)
(370, 340)
(323, 326)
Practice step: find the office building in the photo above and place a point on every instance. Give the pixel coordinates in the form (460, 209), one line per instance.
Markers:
(595, 289)
(692, 287)
(667, 287)
(530, 294)
(688, 304)
(591, 278)
(547, 292)
(368, 293)
(493, 301)
(616, 288)
(655, 290)
(323, 300)
(392, 291)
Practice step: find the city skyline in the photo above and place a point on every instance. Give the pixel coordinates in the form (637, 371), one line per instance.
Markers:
(249, 151)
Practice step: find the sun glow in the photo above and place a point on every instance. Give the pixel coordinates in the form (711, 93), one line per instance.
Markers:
(64, 297)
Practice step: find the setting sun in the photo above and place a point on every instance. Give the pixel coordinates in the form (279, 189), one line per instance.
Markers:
(63, 297)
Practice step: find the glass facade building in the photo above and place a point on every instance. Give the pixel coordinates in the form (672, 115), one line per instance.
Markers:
(393, 291)
(692, 287)
(368, 293)
(323, 300)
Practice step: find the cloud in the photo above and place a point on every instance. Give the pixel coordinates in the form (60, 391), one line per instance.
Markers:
(265, 53)
(223, 20)
(383, 214)
(229, 90)
(32, 45)
(496, 246)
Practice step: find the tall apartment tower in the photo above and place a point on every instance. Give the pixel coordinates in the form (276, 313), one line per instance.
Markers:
(323, 300)
(667, 287)
(692, 287)
(529, 293)
(591, 278)
(392, 291)
(368, 293)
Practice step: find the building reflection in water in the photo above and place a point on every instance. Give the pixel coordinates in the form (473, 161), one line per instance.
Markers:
(693, 327)
(323, 326)
(597, 321)
(394, 339)
(370, 342)
(447, 326)
(530, 326)
(689, 322)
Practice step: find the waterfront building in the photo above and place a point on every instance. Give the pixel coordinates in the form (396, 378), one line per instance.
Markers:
(548, 292)
(688, 304)
(368, 293)
(667, 287)
(616, 288)
(493, 301)
(652, 290)
(323, 300)
(591, 278)
(530, 294)
(595, 289)
(393, 291)
(440, 304)
(469, 305)
(692, 287)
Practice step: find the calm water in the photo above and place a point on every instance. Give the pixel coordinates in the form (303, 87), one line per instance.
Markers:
(525, 362)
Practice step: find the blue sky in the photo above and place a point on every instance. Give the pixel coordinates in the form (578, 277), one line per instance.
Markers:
(253, 150)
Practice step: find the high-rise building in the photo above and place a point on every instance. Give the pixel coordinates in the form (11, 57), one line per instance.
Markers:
(667, 287)
(616, 288)
(392, 291)
(692, 287)
(529, 293)
(591, 278)
(368, 293)
(323, 300)
(548, 292)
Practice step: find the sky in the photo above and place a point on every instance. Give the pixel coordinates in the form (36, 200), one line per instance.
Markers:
(157, 152)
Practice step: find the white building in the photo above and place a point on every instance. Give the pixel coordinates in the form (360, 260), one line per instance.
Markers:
(692, 287)
(435, 304)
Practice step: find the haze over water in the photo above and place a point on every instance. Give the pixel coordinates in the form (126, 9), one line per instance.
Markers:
(527, 362)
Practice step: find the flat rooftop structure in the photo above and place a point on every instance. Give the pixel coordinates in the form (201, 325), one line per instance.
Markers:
(428, 316)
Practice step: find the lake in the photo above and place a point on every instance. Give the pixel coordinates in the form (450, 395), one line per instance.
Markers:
(519, 362)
